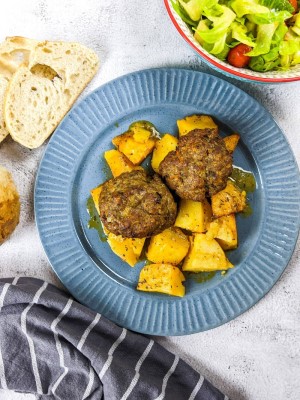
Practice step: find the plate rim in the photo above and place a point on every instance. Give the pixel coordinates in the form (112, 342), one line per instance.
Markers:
(175, 331)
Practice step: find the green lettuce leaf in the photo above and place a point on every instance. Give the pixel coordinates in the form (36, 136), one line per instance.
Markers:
(194, 8)
(277, 5)
(263, 39)
(241, 34)
(182, 13)
(245, 7)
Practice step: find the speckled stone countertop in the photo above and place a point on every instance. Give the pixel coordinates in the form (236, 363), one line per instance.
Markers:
(257, 355)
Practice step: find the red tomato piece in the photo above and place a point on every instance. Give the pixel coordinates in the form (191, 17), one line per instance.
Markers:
(294, 4)
(237, 57)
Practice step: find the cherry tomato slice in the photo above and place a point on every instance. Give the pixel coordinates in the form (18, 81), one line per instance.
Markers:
(237, 57)
(294, 4)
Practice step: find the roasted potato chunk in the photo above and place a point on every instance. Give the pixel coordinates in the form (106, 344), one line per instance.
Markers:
(135, 144)
(205, 255)
(128, 249)
(194, 215)
(224, 230)
(118, 163)
(231, 142)
(192, 122)
(168, 247)
(228, 201)
(162, 147)
(95, 193)
(162, 278)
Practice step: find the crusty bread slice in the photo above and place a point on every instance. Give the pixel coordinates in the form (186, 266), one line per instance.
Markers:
(9, 205)
(3, 87)
(33, 107)
(13, 52)
(40, 94)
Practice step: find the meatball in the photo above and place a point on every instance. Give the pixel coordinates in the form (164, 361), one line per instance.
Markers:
(136, 205)
(199, 167)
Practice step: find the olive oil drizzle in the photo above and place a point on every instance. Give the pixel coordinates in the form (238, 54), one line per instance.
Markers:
(244, 180)
(94, 221)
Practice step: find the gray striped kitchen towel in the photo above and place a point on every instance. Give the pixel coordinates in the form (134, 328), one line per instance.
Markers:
(55, 347)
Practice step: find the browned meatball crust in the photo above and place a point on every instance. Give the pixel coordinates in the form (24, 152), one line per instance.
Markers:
(136, 205)
(199, 167)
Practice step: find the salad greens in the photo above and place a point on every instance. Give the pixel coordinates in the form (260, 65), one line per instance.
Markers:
(271, 28)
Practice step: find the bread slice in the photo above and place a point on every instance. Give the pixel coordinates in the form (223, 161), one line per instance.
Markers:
(41, 93)
(13, 52)
(9, 205)
(3, 87)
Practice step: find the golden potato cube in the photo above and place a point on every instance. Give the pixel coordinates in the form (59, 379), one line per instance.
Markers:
(231, 142)
(224, 230)
(95, 193)
(118, 163)
(193, 215)
(128, 249)
(162, 147)
(169, 246)
(135, 144)
(195, 122)
(205, 255)
(162, 278)
(228, 201)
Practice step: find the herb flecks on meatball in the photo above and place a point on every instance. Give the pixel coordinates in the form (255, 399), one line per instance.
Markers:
(199, 167)
(136, 205)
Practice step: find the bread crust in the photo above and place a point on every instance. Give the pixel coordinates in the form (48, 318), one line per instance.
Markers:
(62, 68)
(9, 205)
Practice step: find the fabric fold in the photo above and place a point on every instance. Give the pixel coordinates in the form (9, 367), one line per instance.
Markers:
(53, 346)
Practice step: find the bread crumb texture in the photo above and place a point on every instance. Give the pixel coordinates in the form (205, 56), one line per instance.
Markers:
(45, 79)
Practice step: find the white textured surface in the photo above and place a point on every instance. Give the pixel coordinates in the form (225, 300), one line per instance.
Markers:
(254, 357)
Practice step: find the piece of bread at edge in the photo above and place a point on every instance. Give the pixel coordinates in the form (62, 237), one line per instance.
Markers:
(9, 205)
(13, 52)
(40, 94)
(3, 87)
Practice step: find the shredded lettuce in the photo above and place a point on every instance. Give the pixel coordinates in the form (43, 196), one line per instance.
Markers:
(220, 25)
(241, 34)
(277, 5)
(263, 39)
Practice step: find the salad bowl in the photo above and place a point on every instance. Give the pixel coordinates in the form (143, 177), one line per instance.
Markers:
(288, 73)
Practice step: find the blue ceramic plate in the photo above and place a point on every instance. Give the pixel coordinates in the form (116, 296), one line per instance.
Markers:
(73, 164)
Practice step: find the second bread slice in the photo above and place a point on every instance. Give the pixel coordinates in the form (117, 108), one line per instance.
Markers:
(40, 94)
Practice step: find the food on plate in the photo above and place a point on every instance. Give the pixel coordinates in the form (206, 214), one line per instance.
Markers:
(163, 278)
(136, 205)
(194, 216)
(231, 142)
(168, 247)
(140, 216)
(138, 142)
(162, 147)
(205, 254)
(228, 201)
(224, 230)
(263, 35)
(199, 167)
(9, 205)
(118, 162)
(128, 249)
(43, 81)
(191, 122)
